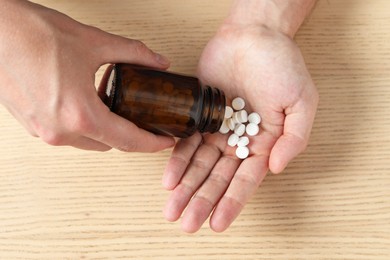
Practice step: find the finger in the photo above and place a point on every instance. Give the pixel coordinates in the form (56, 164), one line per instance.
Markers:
(119, 133)
(210, 193)
(200, 166)
(80, 142)
(86, 143)
(180, 159)
(297, 127)
(119, 49)
(243, 185)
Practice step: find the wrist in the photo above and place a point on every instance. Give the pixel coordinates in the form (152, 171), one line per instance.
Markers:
(284, 16)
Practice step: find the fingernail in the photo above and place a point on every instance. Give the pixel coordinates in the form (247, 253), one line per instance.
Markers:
(162, 59)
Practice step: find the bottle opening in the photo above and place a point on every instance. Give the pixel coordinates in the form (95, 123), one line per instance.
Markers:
(214, 103)
(111, 88)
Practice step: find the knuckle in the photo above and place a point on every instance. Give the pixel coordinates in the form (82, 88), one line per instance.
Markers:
(81, 123)
(305, 144)
(48, 134)
(177, 159)
(130, 146)
(33, 133)
(301, 143)
(204, 198)
(248, 180)
(186, 187)
(219, 180)
(53, 138)
(139, 48)
(31, 129)
(154, 149)
(104, 149)
(139, 44)
(200, 164)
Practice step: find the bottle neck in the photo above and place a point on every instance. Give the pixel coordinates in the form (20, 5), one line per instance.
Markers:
(213, 109)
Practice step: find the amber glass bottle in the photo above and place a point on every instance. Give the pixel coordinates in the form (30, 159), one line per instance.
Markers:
(164, 103)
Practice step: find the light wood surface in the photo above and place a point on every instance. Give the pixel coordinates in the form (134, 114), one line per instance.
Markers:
(333, 201)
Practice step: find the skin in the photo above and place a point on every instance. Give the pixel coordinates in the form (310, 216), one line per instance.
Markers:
(47, 75)
(48, 63)
(260, 62)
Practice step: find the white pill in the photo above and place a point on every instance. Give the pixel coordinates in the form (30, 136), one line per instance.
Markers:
(242, 116)
(233, 140)
(224, 127)
(239, 129)
(243, 141)
(242, 152)
(236, 118)
(238, 103)
(231, 124)
(254, 118)
(252, 129)
(228, 112)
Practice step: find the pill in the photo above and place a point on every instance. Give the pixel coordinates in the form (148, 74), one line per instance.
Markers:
(238, 103)
(243, 141)
(233, 140)
(239, 129)
(240, 122)
(228, 112)
(254, 118)
(224, 127)
(242, 152)
(231, 124)
(252, 129)
(235, 118)
(242, 116)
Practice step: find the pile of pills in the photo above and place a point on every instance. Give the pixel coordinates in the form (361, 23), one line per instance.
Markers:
(239, 122)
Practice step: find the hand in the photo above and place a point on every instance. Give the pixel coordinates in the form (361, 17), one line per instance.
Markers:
(266, 68)
(47, 67)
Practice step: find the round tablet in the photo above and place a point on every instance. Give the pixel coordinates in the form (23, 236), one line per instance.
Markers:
(243, 141)
(254, 118)
(233, 140)
(238, 103)
(228, 112)
(243, 116)
(252, 129)
(235, 118)
(239, 129)
(242, 152)
(224, 127)
(231, 124)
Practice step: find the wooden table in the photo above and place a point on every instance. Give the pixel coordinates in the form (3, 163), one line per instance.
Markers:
(333, 202)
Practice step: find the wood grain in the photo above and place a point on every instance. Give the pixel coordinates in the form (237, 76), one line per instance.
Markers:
(333, 202)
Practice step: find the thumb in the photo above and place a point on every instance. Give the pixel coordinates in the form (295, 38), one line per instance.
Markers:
(296, 133)
(121, 134)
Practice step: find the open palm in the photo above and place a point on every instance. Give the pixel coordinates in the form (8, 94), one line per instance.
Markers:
(265, 68)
